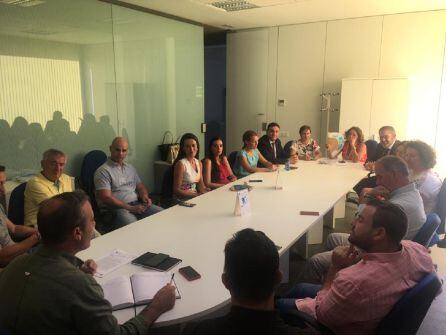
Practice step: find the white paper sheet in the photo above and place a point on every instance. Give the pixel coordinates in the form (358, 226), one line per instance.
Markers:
(112, 261)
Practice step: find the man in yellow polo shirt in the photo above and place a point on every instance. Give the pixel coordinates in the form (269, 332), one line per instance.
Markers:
(46, 184)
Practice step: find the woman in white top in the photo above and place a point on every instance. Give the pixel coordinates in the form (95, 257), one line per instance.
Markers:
(187, 174)
(421, 158)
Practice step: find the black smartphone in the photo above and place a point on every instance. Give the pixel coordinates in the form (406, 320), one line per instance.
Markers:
(186, 204)
(255, 180)
(189, 273)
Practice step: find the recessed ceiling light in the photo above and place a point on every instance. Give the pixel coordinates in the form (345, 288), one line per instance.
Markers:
(233, 5)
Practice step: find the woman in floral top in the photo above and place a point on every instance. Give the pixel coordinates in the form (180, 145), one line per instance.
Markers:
(306, 148)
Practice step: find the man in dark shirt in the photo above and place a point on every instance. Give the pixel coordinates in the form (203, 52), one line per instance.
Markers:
(54, 292)
(387, 146)
(251, 274)
(271, 147)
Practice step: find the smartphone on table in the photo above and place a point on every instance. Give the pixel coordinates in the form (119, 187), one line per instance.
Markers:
(189, 273)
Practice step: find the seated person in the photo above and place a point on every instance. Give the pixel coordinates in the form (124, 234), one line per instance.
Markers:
(216, 170)
(420, 158)
(392, 178)
(251, 287)
(271, 148)
(120, 190)
(48, 183)
(249, 156)
(361, 287)
(54, 292)
(187, 175)
(306, 148)
(388, 145)
(8, 248)
(354, 148)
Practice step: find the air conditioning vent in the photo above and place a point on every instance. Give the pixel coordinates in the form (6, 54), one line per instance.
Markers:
(233, 5)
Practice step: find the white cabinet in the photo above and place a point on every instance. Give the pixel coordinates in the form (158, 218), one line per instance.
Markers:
(373, 103)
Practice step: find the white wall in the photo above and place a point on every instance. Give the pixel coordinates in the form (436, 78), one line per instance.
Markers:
(247, 83)
(392, 46)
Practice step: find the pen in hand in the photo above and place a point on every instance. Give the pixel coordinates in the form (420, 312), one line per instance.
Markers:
(171, 279)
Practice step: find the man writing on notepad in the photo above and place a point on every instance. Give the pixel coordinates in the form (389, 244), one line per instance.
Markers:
(53, 292)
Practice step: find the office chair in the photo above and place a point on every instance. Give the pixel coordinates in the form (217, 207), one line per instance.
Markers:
(371, 147)
(428, 231)
(16, 207)
(408, 313)
(441, 211)
(287, 147)
(91, 162)
(231, 159)
(166, 192)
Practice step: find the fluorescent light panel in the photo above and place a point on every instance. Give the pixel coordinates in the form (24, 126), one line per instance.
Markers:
(22, 3)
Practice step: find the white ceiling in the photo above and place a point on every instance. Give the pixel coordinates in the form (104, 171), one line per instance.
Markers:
(282, 12)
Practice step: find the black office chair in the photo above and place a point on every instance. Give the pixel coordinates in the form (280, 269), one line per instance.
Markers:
(287, 147)
(428, 231)
(232, 158)
(371, 147)
(167, 189)
(16, 207)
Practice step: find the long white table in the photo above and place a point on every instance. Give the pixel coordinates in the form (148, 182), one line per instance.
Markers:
(198, 235)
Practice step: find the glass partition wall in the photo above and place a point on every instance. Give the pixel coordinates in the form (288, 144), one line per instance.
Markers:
(75, 74)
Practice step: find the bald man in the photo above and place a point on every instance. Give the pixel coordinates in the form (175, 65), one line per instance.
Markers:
(120, 190)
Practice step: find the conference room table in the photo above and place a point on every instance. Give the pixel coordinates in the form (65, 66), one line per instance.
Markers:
(197, 235)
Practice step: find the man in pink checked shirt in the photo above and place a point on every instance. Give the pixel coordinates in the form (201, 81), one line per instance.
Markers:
(362, 286)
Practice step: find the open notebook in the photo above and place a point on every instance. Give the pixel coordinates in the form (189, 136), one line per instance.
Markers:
(138, 289)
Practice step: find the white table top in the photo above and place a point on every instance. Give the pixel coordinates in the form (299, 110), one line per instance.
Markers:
(198, 235)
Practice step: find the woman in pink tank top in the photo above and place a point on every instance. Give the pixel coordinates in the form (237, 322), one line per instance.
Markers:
(216, 169)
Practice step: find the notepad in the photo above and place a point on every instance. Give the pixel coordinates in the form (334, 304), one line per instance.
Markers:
(138, 289)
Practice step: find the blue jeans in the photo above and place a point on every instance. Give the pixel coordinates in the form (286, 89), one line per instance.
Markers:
(123, 217)
(299, 291)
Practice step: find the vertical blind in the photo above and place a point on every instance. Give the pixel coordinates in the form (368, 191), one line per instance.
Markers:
(34, 88)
